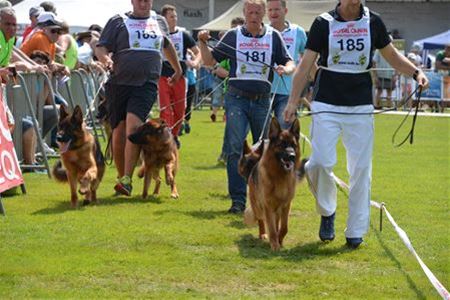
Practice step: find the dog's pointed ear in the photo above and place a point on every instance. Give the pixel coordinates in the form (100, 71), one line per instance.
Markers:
(295, 129)
(275, 129)
(246, 149)
(77, 116)
(62, 112)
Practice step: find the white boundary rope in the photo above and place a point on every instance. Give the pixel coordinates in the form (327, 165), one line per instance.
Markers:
(401, 233)
(405, 239)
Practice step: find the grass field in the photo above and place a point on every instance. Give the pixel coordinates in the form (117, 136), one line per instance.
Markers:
(191, 248)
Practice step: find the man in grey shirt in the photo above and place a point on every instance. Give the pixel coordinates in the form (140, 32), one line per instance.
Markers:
(135, 40)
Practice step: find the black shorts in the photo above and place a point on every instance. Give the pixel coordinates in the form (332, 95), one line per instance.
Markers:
(123, 99)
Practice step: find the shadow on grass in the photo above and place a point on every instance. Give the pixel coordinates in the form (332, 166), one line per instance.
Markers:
(219, 196)
(252, 247)
(391, 256)
(64, 206)
(209, 167)
(206, 214)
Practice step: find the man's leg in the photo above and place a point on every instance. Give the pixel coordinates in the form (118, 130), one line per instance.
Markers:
(165, 103)
(131, 150)
(179, 105)
(236, 129)
(118, 148)
(358, 141)
(279, 104)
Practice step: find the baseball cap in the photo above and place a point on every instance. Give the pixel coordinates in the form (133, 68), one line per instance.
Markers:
(35, 11)
(48, 19)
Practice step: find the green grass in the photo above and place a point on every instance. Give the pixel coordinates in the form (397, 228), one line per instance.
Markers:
(190, 248)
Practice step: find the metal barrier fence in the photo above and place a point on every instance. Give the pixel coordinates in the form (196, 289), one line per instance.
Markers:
(31, 92)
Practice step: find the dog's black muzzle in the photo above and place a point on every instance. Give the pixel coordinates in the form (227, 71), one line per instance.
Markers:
(64, 138)
(287, 158)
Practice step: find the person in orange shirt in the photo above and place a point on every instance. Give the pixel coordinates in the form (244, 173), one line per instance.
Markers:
(45, 38)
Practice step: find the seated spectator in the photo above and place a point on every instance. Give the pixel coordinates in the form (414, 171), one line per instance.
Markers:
(443, 60)
(415, 56)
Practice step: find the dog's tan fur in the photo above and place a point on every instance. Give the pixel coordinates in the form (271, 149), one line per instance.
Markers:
(271, 185)
(158, 151)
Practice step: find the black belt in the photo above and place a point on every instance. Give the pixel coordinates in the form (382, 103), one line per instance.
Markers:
(248, 95)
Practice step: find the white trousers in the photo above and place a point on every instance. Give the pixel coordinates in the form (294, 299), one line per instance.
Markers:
(357, 137)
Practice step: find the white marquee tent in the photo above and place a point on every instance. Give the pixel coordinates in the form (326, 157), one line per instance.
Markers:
(79, 14)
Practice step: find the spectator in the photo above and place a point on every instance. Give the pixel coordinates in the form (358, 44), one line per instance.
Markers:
(248, 95)
(5, 3)
(48, 6)
(34, 13)
(442, 63)
(384, 79)
(68, 46)
(132, 88)
(414, 55)
(172, 97)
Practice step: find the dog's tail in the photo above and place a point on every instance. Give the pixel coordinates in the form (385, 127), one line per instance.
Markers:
(59, 172)
(249, 217)
(301, 172)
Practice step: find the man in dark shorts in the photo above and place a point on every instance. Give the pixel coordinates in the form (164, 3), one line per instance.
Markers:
(136, 40)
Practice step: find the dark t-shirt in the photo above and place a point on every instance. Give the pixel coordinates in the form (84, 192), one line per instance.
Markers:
(188, 42)
(131, 67)
(338, 88)
(225, 49)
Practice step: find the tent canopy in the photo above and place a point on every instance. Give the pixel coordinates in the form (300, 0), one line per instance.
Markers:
(437, 41)
(79, 14)
(302, 13)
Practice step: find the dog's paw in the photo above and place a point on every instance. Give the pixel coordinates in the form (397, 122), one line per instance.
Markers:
(263, 236)
(275, 247)
(82, 190)
(174, 195)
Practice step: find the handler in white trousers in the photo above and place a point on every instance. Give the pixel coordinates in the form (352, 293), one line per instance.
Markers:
(345, 38)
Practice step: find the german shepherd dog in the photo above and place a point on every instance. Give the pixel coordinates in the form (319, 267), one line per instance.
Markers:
(158, 151)
(271, 172)
(81, 157)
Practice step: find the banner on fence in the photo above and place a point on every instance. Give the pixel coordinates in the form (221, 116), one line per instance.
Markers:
(10, 175)
(434, 91)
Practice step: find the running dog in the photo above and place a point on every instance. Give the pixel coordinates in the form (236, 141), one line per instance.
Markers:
(81, 157)
(158, 151)
(272, 172)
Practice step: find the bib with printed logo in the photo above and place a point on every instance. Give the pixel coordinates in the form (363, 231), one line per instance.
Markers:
(290, 39)
(177, 41)
(253, 55)
(144, 34)
(349, 44)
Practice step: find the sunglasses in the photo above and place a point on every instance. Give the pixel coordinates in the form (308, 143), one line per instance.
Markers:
(55, 30)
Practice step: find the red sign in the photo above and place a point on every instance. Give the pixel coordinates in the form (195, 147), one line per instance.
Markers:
(10, 175)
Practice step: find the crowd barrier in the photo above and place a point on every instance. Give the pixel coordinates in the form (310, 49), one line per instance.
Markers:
(27, 96)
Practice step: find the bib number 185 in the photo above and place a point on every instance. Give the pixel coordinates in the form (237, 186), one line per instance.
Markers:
(351, 44)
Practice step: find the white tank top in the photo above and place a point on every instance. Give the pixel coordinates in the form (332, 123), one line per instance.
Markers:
(144, 34)
(177, 41)
(349, 44)
(250, 54)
